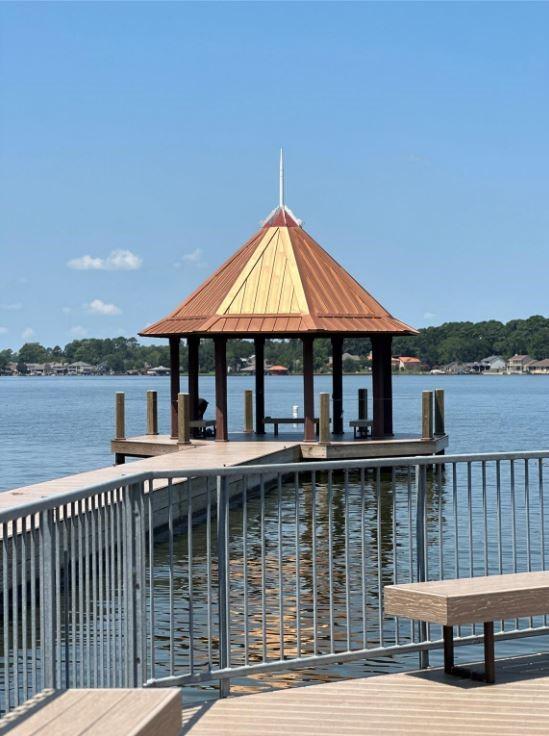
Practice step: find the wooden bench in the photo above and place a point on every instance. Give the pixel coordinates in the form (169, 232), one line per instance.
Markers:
(116, 712)
(468, 601)
(275, 421)
(362, 425)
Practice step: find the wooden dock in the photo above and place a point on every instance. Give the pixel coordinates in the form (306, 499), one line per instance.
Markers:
(424, 703)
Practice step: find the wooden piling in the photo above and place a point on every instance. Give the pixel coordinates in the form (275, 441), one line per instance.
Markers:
(427, 415)
(183, 419)
(152, 412)
(324, 422)
(248, 411)
(363, 403)
(439, 411)
(120, 429)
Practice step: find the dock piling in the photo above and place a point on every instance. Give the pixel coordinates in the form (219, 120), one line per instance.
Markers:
(439, 411)
(248, 411)
(183, 419)
(324, 422)
(120, 422)
(363, 403)
(152, 412)
(427, 415)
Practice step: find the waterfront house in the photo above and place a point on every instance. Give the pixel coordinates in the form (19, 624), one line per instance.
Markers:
(80, 368)
(518, 364)
(159, 370)
(493, 364)
(277, 370)
(539, 367)
(409, 363)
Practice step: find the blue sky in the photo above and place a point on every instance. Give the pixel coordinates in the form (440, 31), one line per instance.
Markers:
(145, 137)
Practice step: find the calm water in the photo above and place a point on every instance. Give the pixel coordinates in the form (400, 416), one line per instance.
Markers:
(55, 426)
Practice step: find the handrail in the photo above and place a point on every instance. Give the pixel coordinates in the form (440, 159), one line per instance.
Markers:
(66, 497)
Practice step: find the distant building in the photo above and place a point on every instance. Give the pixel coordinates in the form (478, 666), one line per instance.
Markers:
(539, 367)
(277, 370)
(80, 368)
(159, 370)
(493, 364)
(36, 369)
(409, 363)
(519, 364)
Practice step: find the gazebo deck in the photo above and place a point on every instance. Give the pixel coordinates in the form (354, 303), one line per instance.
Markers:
(421, 703)
(399, 445)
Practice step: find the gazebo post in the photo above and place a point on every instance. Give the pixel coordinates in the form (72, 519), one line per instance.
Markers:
(193, 346)
(382, 385)
(308, 388)
(259, 347)
(337, 384)
(174, 382)
(220, 353)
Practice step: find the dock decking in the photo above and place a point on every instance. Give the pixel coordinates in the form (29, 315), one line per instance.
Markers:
(421, 703)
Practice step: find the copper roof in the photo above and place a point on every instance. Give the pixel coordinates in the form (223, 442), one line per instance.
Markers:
(280, 282)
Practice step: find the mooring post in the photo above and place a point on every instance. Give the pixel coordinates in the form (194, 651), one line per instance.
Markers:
(120, 428)
(439, 411)
(183, 419)
(152, 412)
(248, 411)
(324, 426)
(427, 415)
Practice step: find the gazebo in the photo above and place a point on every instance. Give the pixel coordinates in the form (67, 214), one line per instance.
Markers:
(281, 284)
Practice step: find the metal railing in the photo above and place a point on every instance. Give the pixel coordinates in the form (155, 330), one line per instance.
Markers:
(253, 569)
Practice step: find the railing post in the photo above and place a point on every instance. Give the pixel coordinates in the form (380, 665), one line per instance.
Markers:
(248, 411)
(120, 428)
(363, 403)
(324, 419)
(129, 588)
(48, 605)
(223, 575)
(183, 419)
(439, 411)
(421, 565)
(427, 415)
(152, 412)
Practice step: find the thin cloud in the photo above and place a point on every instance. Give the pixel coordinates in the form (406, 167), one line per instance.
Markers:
(98, 306)
(3, 330)
(28, 333)
(78, 331)
(194, 258)
(13, 307)
(117, 260)
(429, 315)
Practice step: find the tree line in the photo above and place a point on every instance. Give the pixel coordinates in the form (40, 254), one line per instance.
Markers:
(453, 341)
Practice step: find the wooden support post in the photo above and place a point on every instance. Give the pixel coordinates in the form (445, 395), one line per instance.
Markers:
(183, 419)
(382, 386)
(363, 403)
(174, 383)
(248, 411)
(324, 425)
(193, 369)
(120, 424)
(220, 354)
(308, 388)
(337, 383)
(439, 411)
(427, 415)
(259, 346)
(152, 412)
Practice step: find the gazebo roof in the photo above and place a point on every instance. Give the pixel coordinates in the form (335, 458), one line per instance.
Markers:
(282, 283)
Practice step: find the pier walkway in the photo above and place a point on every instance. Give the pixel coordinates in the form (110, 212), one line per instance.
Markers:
(200, 454)
(422, 703)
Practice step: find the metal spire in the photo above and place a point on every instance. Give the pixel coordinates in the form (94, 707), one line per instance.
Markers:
(281, 181)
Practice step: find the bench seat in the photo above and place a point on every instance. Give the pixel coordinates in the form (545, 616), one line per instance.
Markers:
(99, 712)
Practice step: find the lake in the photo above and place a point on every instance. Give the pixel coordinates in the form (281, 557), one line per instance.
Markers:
(53, 426)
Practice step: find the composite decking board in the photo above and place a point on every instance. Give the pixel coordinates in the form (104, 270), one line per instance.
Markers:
(408, 704)
(469, 600)
(100, 712)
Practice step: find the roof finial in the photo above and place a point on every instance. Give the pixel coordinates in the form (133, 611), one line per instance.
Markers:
(281, 181)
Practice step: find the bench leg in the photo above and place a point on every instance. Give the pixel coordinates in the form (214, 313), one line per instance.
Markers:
(489, 657)
(448, 635)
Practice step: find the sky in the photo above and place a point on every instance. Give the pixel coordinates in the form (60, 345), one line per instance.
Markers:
(139, 149)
